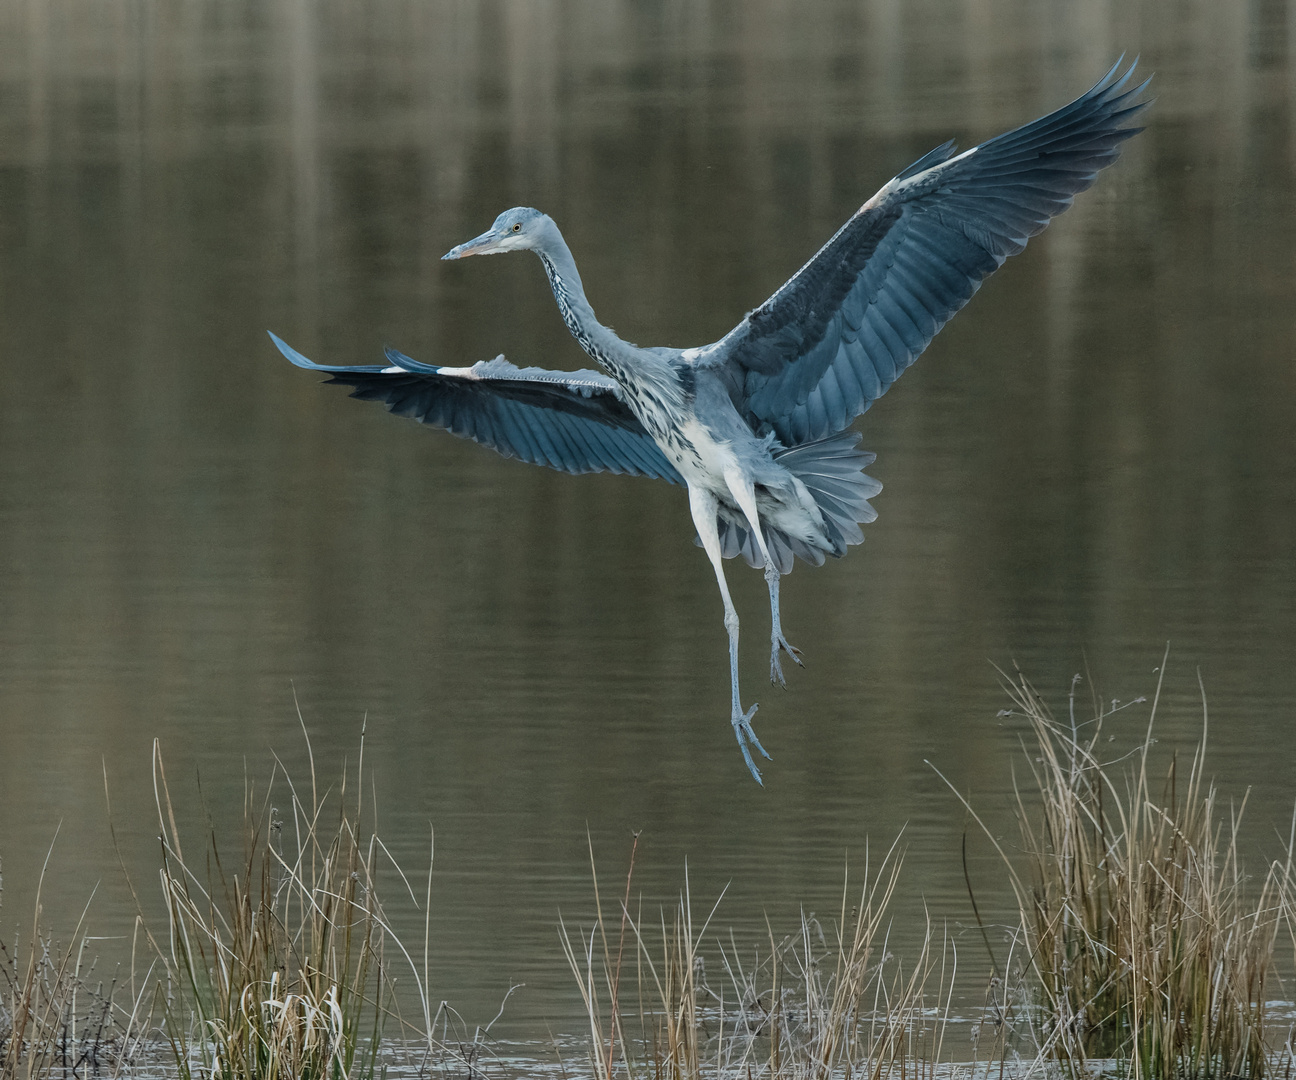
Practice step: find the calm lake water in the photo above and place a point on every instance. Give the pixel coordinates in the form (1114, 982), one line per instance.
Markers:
(1095, 458)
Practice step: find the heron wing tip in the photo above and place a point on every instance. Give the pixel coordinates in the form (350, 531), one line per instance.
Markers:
(292, 355)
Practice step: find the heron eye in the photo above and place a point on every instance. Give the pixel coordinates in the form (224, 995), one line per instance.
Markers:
(517, 226)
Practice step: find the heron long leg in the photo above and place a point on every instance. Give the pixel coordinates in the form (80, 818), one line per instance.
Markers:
(777, 640)
(745, 495)
(703, 506)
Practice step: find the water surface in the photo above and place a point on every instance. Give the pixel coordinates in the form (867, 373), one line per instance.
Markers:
(1093, 459)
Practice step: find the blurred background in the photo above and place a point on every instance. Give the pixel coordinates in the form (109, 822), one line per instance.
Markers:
(1094, 459)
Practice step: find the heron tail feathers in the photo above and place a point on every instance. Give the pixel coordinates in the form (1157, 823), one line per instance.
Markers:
(832, 471)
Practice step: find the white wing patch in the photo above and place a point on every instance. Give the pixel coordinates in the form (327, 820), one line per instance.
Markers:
(896, 186)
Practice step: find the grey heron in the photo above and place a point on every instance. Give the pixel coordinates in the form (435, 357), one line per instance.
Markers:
(757, 424)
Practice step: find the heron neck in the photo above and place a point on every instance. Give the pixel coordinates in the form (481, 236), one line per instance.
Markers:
(595, 338)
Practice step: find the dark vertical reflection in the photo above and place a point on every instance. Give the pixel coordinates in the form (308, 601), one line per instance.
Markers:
(1093, 459)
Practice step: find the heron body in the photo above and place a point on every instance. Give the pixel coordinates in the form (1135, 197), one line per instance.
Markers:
(757, 425)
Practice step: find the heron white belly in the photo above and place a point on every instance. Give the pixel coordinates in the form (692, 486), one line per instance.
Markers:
(782, 501)
(709, 460)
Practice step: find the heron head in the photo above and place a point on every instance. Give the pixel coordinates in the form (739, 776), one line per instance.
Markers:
(514, 230)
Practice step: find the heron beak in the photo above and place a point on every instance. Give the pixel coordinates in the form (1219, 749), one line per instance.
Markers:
(479, 245)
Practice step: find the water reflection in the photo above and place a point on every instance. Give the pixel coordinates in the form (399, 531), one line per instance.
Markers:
(1092, 459)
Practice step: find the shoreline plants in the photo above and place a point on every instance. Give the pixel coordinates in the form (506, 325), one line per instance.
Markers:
(1141, 948)
(276, 966)
(822, 1002)
(1147, 946)
(280, 964)
(57, 1016)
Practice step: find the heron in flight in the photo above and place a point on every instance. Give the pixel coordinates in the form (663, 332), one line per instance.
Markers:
(756, 425)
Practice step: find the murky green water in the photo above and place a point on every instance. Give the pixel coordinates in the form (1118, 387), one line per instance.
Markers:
(1096, 457)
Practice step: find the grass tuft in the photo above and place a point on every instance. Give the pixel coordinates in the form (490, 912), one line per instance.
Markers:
(810, 1006)
(276, 965)
(1147, 941)
(57, 1018)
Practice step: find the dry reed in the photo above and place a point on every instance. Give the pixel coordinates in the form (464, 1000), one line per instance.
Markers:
(1147, 943)
(806, 1009)
(275, 969)
(276, 966)
(56, 1017)
(280, 967)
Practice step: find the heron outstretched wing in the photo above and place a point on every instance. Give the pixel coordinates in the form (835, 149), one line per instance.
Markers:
(573, 421)
(839, 333)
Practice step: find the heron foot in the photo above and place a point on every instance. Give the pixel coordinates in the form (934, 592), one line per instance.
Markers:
(743, 730)
(776, 668)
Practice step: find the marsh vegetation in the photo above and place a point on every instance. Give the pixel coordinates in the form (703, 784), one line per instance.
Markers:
(1141, 944)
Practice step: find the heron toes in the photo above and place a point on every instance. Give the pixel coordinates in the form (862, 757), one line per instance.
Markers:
(776, 666)
(746, 738)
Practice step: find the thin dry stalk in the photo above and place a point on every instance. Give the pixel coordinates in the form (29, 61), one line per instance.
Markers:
(597, 972)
